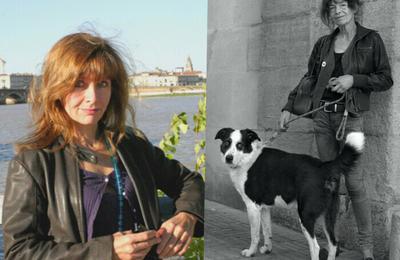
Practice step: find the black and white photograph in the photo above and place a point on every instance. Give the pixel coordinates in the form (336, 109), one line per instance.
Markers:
(303, 130)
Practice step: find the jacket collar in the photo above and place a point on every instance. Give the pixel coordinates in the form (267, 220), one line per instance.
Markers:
(128, 156)
(70, 167)
(361, 32)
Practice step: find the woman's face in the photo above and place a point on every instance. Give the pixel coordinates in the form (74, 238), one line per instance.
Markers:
(88, 101)
(340, 12)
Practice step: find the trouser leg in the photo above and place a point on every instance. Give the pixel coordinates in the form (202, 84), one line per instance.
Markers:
(327, 145)
(325, 126)
(362, 210)
(358, 195)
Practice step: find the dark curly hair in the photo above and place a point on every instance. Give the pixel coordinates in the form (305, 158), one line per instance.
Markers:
(325, 17)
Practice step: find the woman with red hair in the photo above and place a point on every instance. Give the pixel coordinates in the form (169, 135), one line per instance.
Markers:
(83, 185)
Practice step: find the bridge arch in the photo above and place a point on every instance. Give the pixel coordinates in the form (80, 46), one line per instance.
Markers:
(13, 98)
(18, 95)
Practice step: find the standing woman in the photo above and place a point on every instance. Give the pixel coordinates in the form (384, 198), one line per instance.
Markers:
(83, 185)
(352, 60)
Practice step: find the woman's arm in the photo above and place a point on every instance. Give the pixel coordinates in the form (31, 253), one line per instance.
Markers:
(179, 183)
(381, 78)
(312, 70)
(26, 225)
(174, 179)
(187, 188)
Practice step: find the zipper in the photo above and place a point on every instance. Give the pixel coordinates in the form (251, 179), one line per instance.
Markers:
(79, 202)
(136, 190)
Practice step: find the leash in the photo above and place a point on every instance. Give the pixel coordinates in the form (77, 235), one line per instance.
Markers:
(316, 109)
(342, 126)
(339, 132)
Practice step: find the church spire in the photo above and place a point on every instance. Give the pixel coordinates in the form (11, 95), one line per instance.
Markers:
(189, 65)
(2, 66)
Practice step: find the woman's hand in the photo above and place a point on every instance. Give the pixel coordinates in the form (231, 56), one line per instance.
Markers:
(176, 235)
(129, 246)
(341, 84)
(285, 116)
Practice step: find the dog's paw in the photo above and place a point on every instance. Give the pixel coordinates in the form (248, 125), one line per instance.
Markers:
(247, 253)
(266, 249)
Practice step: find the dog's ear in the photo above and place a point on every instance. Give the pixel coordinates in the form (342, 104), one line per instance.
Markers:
(224, 133)
(251, 135)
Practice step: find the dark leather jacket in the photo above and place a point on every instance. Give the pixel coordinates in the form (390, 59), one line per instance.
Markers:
(43, 215)
(365, 59)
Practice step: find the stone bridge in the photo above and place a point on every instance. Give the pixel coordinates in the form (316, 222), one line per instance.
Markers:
(19, 95)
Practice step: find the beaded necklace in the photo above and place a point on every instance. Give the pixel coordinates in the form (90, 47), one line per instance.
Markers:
(86, 155)
(119, 187)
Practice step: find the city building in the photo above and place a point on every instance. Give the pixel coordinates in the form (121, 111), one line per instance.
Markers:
(182, 76)
(20, 80)
(14, 87)
(4, 81)
(14, 80)
(4, 78)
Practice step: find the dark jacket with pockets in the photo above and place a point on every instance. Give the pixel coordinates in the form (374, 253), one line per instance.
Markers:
(365, 59)
(43, 215)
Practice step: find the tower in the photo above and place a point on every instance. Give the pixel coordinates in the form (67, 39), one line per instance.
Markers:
(2, 65)
(189, 65)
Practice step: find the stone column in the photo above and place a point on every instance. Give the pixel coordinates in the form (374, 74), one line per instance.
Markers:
(232, 85)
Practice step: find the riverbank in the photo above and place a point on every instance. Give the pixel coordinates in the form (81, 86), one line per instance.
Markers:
(166, 91)
(140, 92)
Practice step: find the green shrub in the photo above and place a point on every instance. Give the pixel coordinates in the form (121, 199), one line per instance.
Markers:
(168, 144)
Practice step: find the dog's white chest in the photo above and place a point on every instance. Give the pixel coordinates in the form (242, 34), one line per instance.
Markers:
(239, 178)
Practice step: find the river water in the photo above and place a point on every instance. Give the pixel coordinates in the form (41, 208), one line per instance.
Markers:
(153, 116)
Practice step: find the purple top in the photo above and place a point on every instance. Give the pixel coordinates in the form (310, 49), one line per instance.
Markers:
(100, 202)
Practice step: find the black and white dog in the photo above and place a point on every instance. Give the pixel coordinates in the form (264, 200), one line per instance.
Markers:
(265, 177)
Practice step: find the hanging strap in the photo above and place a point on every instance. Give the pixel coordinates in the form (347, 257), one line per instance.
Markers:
(342, 127)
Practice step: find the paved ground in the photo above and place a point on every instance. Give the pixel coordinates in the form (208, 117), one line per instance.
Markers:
(227, 233)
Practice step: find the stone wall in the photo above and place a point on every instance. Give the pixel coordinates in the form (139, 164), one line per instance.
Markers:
(257, 52)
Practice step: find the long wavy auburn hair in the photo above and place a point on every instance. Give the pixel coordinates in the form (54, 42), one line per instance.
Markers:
(70, 58)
